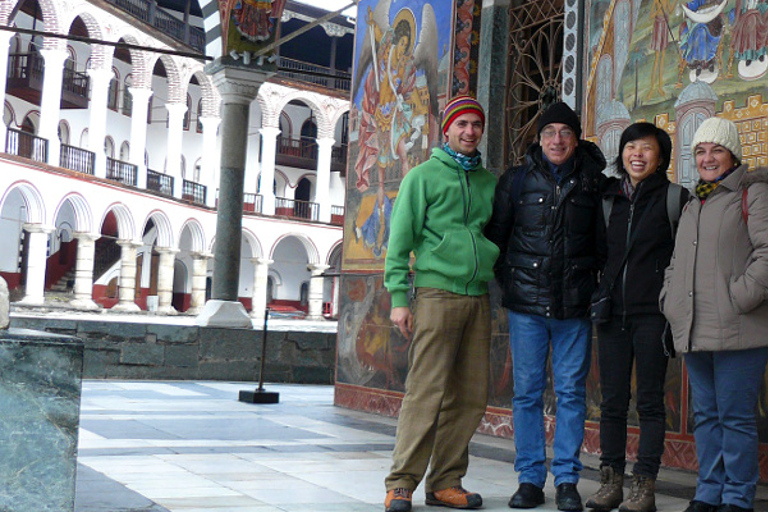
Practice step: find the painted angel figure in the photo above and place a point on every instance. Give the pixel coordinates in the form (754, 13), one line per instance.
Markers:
(393, 119)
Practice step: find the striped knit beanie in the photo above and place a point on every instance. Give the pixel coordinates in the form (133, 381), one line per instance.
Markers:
(458, 106)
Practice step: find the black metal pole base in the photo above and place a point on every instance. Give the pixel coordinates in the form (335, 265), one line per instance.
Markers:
(260, 397)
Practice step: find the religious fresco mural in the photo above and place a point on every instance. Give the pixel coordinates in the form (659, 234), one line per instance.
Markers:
(249, 25)
(677, 63)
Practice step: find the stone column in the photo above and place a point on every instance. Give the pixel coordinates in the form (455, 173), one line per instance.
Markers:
(97, 125)
(176, 113)
(492, 78)
(238, 87)
(140, 103)
(316, 291)
(199, 273)
(34, 291)
(267, 179)
(165, 281)
(50, 104)
(86, 246)
(5, 39)
(260, 280)
(127, 290)
(211, 157)
(323, 186)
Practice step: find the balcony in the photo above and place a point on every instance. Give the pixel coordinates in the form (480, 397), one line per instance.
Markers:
(77, 159)
(252, 203)
(337, 215)
(194, 192)
(122, 172)
(26, 145)
(162, 20)
(300, 153)
(159, 182)
(295, 209)
(339, 159)
(25, 81)
(299, 71)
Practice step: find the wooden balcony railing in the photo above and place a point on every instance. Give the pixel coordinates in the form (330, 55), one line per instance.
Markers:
(150, 13)
(301, 152)
(159, 182)
(122, 171)
(313, 74)
(77, 159)
(27, 145)
(337, 215)
(296, 209)
(252, 202)
(25, 80)
(194, 192)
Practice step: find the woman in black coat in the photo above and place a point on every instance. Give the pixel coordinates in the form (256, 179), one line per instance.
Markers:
(639, 225)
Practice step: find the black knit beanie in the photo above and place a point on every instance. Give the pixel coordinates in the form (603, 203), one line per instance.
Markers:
(560, 113)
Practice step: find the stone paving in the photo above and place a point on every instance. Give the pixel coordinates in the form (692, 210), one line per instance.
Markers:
(193, 447)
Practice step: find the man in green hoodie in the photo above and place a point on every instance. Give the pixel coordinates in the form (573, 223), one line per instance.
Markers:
(439, 215)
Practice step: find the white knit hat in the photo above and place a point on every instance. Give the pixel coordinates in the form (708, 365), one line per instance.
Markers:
(719, 131)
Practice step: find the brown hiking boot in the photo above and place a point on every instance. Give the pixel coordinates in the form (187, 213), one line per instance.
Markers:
(398, 500)
(454, 497)
(642, 497)
(611, 493)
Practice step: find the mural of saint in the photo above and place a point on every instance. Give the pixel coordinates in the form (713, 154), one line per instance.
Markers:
(700, 36)
(748, 38)
(252, 23)
(397, 74)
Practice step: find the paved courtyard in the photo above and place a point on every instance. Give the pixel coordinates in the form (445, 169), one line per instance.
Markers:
(193, 447)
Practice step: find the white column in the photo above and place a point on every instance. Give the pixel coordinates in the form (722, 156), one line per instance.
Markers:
(260, 280)
(165, 280)
(176, 113)
(37, 255)
(50, 104)
(316, 291)
(266, 182)
(5, 39)
(323, 186)
(139, 104)
(209, 175)
(127, 290)
(199, 274)
(97, 124)
(86, 247)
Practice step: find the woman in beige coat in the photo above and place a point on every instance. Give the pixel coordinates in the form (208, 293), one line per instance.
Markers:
(714, 298)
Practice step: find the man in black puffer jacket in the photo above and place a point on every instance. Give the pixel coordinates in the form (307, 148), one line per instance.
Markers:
(545, 219)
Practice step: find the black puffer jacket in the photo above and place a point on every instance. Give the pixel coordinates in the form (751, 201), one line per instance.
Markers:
(637, 285)
(548, 263)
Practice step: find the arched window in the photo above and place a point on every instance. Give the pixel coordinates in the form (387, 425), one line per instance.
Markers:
(127, 98)
(109, 147)
(113, 97)
(199, 115)
(188, 113)
(125, 151)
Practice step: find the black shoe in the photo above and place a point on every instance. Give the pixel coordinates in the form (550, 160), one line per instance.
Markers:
(567, 498)
(727, 507)
(700, 506)
(527, 496)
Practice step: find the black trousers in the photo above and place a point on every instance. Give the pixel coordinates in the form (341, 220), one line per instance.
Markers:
(637, 338)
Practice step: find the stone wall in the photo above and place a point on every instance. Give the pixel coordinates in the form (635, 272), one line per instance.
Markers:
(136, 350)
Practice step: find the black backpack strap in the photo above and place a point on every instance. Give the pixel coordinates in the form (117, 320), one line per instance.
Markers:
(674, 206)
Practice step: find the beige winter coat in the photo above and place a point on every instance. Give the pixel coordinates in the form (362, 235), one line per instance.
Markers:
(717, 282)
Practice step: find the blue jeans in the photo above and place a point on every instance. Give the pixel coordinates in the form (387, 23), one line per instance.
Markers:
(530, 337)
(726, 387)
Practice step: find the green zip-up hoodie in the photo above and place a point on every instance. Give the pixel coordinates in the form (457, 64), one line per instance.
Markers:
(439, 214)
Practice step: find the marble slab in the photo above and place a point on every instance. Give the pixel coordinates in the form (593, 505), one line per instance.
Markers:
(40, 388)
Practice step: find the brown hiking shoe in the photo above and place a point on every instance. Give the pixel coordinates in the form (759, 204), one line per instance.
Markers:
(398, 500)
(642, 497)
(454, 497)
(611, 492)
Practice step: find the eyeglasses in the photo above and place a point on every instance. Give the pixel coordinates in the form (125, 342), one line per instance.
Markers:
(565, 133)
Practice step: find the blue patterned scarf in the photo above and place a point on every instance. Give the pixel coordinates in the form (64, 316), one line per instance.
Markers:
(465, 162)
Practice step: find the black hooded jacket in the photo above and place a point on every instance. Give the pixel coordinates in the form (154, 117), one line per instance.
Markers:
(548, 263)
(638, 283)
